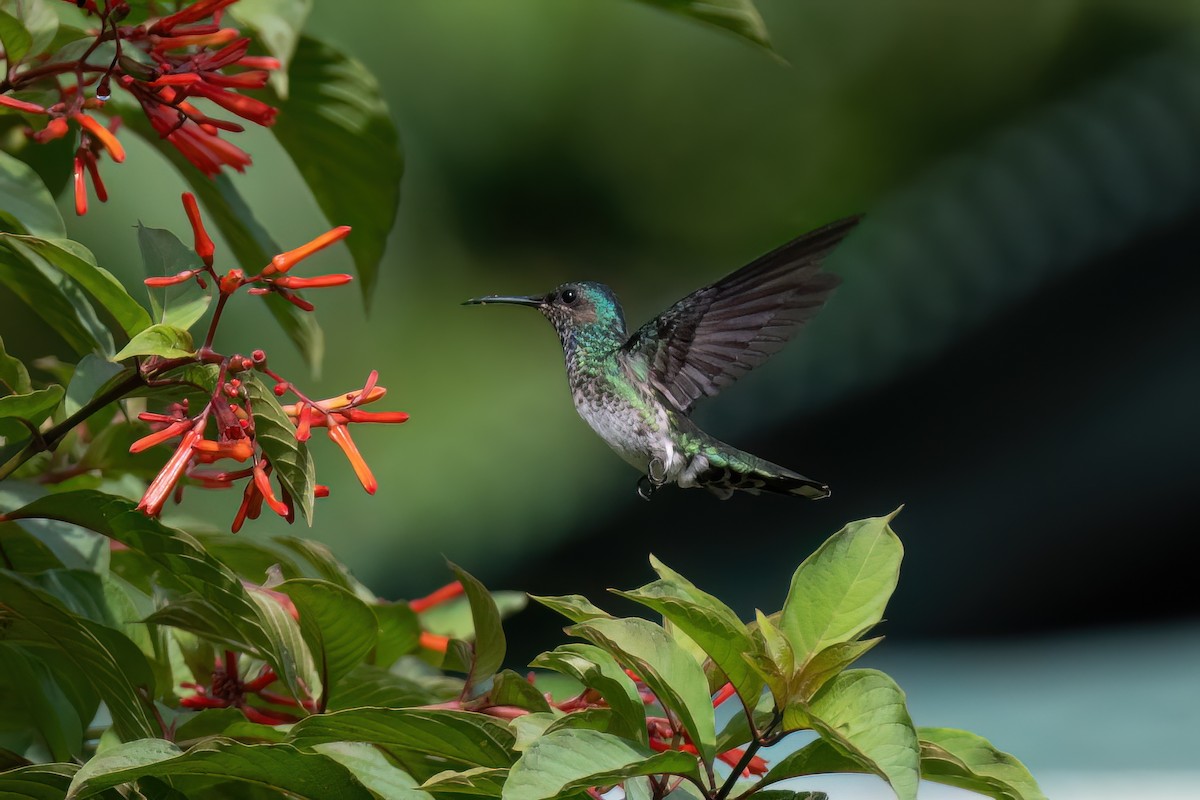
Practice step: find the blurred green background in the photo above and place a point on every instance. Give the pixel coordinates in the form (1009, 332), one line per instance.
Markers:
(1013, 354)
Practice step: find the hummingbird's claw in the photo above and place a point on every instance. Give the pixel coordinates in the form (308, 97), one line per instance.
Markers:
(646, 488)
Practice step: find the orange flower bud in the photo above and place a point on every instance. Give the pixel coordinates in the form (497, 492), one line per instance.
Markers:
(102, 135)
(285, 261)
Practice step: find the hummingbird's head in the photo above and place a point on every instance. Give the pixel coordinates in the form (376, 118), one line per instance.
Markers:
(580, 307)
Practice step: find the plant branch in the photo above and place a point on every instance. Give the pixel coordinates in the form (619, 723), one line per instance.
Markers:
(50, 440)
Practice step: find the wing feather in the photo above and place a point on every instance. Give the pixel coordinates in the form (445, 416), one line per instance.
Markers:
(715, 335)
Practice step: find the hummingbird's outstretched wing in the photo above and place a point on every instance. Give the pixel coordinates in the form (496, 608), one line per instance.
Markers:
(715, 335)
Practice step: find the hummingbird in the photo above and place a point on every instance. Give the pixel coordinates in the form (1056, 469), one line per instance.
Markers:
(637, 390)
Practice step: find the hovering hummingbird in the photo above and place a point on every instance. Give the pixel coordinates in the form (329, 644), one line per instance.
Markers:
(637, 391)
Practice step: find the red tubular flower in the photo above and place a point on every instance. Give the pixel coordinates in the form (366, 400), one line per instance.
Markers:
(389, 417)
(56, 128)
(304, 423)
(248, 108)
(259, 62)
(339, 434)
(238, 451)
(757, 765)
(102, 134)
(251, 503)
(160, 488)
(285, 261)
(263, 482)
(89, 161)
(433, 641)
(193, 13)
(317, 282)
(169, 432)
(203, 242)
(727, 691)
(435, 598)
(80, 187)
(170, 280)
(21, 105)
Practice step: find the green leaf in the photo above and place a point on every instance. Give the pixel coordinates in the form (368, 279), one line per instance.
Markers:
(33, 407)
(862, 713)
(16, 40)
(708, 621)
(487, 781)
(454, 619)
(112, 664)
(574, 607)
(564, 760)
(373, 770)
(840, 591)
(666, 668)
(277, 25)
(38, 19)
(32, 699)
(45, 299)
(78, 263)
(968, 761)
(36, 782)
(336, 128)
(489, 645)
(288, 651)
(158, 340)
(511, 689)
(252, 246)
(369, 685)
(183, 561)
(399, 632)
(92, 373)
(737, 16)
(25, 200)
(338, 627)
(828, 663)
(598, 670)
(306, 775)
(163, 254)
(772, 658)
(25, 552)
(14, 378)
(449, 738)
(325, 565)
(276, 435)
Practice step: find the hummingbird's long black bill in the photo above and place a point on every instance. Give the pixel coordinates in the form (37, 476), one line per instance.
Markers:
(510, 299)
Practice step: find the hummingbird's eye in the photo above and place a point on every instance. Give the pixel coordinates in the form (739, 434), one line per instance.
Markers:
(568, 296)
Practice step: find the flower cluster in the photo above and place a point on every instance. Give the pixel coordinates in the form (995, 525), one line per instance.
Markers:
(165, 64)
(228, 689)
(224, 429)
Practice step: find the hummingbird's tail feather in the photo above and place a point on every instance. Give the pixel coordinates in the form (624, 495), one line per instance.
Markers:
(723, 469)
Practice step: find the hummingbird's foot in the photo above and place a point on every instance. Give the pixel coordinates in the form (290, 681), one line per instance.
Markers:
(646, 487)
(653, 480)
